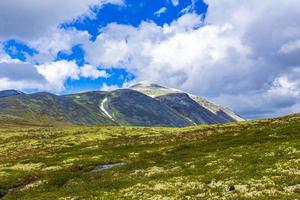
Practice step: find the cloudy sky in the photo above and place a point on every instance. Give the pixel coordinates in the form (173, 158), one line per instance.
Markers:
(242, 54)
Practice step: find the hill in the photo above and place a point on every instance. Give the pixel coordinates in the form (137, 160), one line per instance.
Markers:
(245, 160)
(158, 106)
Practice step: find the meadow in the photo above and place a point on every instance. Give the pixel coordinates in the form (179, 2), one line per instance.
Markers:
(246, 160)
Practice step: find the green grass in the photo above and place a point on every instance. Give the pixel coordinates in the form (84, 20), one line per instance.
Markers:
(248, 160)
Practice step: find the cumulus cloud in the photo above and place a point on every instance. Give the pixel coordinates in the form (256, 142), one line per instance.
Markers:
(56, 73)
(184, 53)
(27, 20)
(15, 74)
(19, 75)
(6, 83)
(123, 45)
(89, 71)
(39, 29)
(19, 71)
(59, 40)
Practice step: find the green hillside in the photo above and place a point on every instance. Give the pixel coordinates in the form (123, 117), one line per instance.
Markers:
(47, 108)
(137, 106)
(246, 160)
(126, 107)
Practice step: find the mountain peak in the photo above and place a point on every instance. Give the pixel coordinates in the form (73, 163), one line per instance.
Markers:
(147, 84)
(153, 89)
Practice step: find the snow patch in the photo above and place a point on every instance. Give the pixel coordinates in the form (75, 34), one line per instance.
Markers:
(103, 109)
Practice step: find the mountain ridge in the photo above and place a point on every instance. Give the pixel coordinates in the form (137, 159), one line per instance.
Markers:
(139, 105)
(154, 90)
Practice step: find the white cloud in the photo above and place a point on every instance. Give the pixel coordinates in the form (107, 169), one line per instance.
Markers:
(122, 45)
(280, 99)
(290, 47)
(175, 2)
(31, 19)
(160, 11)
(89, 71)
(56, 73)
(59, 40)
(3, 55)
(6, 83)
(189, 8)
(15, 74)
(107, 51)
(126, 84)
(106, 87)
(178, 51)
(39, 29)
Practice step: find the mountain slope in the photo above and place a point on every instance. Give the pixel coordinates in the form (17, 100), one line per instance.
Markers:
(46, 107)
(190, 109)
(129, 107)
(141, 105)
(184, 103)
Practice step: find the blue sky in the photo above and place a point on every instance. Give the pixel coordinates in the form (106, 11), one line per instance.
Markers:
(239, 55)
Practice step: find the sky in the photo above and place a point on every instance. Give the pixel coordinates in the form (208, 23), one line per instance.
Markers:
(243, 54)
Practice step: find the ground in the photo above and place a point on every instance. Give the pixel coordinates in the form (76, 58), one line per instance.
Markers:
(246, 160)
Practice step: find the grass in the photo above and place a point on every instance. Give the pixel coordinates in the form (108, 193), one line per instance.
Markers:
(247, 160)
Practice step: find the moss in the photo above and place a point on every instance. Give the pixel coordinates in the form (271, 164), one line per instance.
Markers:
(259, 159)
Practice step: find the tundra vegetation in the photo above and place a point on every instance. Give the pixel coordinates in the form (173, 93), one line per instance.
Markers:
(244, 160)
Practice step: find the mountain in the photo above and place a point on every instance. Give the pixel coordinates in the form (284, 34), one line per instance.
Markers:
(9, 93)
(143, 104)
(195, 108)
(129, 107)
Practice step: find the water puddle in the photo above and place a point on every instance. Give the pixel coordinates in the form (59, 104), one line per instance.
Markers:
(101, 168)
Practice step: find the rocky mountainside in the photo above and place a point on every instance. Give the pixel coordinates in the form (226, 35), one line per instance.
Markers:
(144, 104)
(195, 108)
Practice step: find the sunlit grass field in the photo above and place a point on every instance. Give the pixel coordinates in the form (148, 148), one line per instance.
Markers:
(247, 160)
